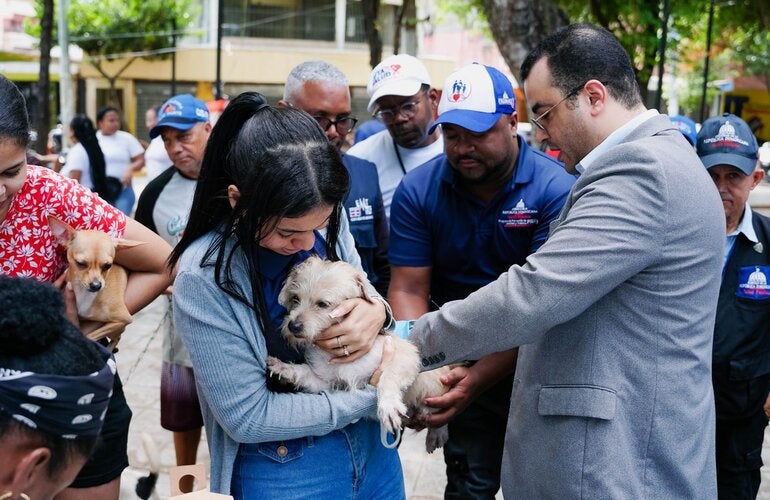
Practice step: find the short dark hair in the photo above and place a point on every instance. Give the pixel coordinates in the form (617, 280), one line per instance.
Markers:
(37, 337)
(283, 166)
(14, 120)
(581, 52)
(104, 110)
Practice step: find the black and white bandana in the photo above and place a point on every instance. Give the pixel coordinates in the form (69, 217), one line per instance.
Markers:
(62, 405)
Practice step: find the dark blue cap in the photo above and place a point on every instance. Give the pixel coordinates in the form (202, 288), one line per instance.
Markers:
(728, 140)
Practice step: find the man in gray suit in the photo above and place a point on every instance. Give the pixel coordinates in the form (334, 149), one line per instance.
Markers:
(614, 314)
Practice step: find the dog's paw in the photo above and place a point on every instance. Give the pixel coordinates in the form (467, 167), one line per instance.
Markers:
(284, 371)
(436, 438)
(389, 415)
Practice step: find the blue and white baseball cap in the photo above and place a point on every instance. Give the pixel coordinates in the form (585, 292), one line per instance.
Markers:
(181, 112)
(475, 97)
(727, 140)
(401, 75)
(686, 127)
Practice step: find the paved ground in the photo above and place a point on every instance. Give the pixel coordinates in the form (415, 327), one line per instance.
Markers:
(139, 366)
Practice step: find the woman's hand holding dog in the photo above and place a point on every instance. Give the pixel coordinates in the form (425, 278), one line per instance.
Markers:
(360, 323)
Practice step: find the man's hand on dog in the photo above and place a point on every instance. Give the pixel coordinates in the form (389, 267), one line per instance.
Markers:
(359, 323)
(463, 384)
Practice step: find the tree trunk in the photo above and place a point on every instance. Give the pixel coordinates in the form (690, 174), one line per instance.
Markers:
(518, 25)
(43, 114)
(371, 10)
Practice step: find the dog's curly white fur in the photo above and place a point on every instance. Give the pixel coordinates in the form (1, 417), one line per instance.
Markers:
(312, 290)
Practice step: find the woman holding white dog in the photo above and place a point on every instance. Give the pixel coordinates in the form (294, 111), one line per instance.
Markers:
(269, 184)
(28, 194)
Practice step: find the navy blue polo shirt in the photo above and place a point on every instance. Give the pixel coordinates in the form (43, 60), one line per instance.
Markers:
(435, 221)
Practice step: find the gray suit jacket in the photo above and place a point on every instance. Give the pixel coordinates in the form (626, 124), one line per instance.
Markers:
(614, 315)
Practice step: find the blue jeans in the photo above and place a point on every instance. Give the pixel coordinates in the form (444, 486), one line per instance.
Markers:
(349, 463)
(125, 202)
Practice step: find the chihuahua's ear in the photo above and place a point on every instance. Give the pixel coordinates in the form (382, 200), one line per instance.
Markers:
(121, 244)
(61, 231)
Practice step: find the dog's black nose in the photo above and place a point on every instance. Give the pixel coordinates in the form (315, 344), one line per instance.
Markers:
(94, 286)
(295, 327)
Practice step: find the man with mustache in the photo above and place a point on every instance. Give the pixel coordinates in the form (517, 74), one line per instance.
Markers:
(457, 223)
(402, 98)
(741, 356)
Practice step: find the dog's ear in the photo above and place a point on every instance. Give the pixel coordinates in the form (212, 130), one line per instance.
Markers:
(61, 231)
(283, 295)
(121, 244)
(362, 284)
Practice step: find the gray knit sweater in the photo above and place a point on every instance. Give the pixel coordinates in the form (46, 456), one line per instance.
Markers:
(228, 354)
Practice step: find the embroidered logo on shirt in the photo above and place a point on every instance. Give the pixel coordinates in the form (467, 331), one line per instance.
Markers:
(752, 282)
(519, 216)
(361, 212)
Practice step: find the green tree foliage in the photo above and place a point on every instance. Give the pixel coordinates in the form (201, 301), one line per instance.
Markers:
(109, 30)
(740, 34)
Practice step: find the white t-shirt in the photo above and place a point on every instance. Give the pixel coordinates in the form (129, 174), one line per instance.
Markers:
(156, 158)
(380, 149)
(118, 150)
(77, 160)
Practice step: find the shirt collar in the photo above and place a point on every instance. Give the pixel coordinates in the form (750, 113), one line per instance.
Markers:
(746, 226)
(614, 139)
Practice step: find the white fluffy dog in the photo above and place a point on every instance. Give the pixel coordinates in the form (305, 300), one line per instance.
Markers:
(312, 290)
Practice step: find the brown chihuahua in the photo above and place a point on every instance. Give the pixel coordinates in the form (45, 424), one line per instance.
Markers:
(99, 284)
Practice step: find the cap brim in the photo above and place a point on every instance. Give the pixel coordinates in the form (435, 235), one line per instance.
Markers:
(402, 88)
(475, 121)
(177, 124)
(745, 165)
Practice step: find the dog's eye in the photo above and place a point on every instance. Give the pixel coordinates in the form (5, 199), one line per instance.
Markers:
(81, 265)
(106, 267)
(322, 304)
(294, 300)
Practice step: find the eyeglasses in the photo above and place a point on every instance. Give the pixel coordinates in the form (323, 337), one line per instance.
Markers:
(537, 119)
(343, 125)
(407, 109)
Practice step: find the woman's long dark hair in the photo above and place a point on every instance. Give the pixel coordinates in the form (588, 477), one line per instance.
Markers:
(83, 129)
(283, 165)
(14, 121)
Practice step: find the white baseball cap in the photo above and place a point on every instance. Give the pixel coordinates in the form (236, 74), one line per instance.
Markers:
(475, 97)
(401, 75)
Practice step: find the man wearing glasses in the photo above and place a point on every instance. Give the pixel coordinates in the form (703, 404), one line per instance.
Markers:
(401, 97)
(614, 314)
(457, 223)
(321, 90)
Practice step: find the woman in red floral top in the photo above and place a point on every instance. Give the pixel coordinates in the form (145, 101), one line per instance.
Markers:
(28, 195)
